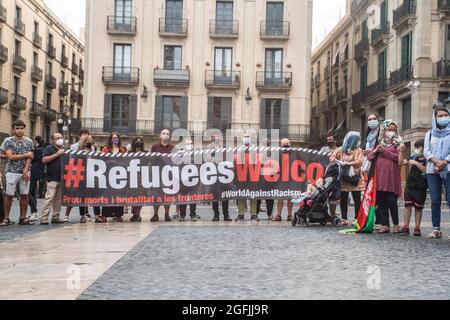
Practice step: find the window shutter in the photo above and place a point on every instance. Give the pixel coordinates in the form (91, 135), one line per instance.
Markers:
(107, 113)
(133, 114)
(158, 114)
(284, 125)
(262, 114)
(211, 113)
(184, 111)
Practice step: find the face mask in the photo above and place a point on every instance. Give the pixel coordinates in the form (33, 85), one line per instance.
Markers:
(165, 137)
(390, 134)
(189, 147)
(417, 152)
(373, 124)
(246, 141)
(139, 144)
(115, 141)
(443, 122)
(330, 144)
(89, 145)
(60, 142)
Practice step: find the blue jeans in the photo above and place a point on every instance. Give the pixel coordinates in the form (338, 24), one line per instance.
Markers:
(435, 185)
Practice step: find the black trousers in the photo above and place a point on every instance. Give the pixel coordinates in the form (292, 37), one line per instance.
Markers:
(32, 201)
(84, 211)
(192, 209)
(215, 206)
(269, 205)
(2, 213)
(356, 195)
(387, 202)
(112, 212)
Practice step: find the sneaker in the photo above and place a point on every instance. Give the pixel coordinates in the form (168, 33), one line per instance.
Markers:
(417, 232)
(34, 217)
(181, 219)
(240, 218)
(66, 219)
(216, 219)
(255, 218)
(175, 216)
(154, 219)
(405, 231)
(195, 217)
(167, 218)
(227, 218)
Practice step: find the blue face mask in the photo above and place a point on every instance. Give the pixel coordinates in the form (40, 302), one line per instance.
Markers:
(443, 122)
(373, 124)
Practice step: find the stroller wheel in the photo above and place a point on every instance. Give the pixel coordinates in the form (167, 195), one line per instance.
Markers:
(295, 220)
(336, 222)
(307, 222)
(323, 223)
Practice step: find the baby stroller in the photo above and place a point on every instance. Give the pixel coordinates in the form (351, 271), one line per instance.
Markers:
(314, 207)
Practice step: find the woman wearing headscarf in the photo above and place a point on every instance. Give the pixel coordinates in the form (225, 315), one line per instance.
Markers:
(389, 156)
(437, 153)
(351, 155)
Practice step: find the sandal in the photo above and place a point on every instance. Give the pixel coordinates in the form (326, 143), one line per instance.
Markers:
(289, 218)
(7, 222)
(384, 230)
(101, 219)
(136, 219)
(119, 219)
(167, 218)
(83, 219)
(277, 219)
(25, 222)
(405, 231)
(397, 230)
(436, 234)
(417, 232)
(155, 219)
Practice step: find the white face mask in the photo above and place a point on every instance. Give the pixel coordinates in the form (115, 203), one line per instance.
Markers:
(246, 141)
(165, 137)
(418, 152)
(189, 147)
(390, 134)
(60, 142)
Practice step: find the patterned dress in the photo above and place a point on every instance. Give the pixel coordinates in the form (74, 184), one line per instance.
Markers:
(355, 155)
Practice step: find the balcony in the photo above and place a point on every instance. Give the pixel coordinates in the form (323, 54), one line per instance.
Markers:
(173, 27)
(359, 102)
(317, 81)
(3, 13)
(443, 72)
(81, 75)
(377, 92)
(74, 68)
(4, 96)
(74, 95)
(344, 58)
(275, 30)
(342, 97)
(19, 64)
(444, 8)
(117, 25)
(357, 5)
(122, 76)
(335, 67)
(64, 61)
(299, 132)
(36, 109)
(217, 79)
(19, 27)
(3, 54)
(18, 103)
(333, 101)
(50, 82)
(37, 40)
(171, 78)
(63, 89)
(224, 29)
(404, 15)
(400, 78)
(380, 36)
(36, 73)
(49, 115)
(273, 81)
(51, 51)
(362, 50)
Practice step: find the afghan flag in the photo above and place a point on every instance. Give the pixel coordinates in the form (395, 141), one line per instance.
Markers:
(366, 215)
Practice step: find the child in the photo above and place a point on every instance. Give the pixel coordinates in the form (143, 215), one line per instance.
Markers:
(416, 189)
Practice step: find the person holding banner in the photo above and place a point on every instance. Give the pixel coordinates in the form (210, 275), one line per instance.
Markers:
(286, 144)
(437, 153)
(164, 146)
(51, 157)
(137, 146)
(390, 157)
(351, 155)
(114, 146)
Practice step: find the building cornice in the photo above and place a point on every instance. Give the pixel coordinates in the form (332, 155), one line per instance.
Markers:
(343, 26)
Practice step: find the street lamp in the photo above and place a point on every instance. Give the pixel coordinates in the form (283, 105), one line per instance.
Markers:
(65, 116)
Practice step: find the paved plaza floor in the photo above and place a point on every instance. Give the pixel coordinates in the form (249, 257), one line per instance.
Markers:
(206, 260)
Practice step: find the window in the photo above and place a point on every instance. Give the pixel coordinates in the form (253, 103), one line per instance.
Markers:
(382, 114)
(273, 113)
(407, 50)
(33, 96)
(63, 76)
(364, 30)
(172, 113)
(48, 100)
(274, 18)
(18, 47)
(18, 14)
(50, 40)
(363, 79)
(447, 42)
(35, 59)
(63, 51)
(174, 16)
(74, 58)
(220, 115)
(16, 88)
(172, 58)
(382, 65)
(122, 61)
(274, 66)
(120, 112)
(406, 114)
(36, 28)
(223, 62)
(49, 68)
(224, 17)
(32, 128)
(123, 10)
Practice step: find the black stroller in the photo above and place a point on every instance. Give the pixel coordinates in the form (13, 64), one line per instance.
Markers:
(314, 207)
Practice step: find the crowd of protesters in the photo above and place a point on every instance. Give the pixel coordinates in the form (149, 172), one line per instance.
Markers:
(379, 155)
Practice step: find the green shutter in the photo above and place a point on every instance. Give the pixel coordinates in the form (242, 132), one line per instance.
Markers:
(383, 13)
(184, 112)
(107, 113)
(365, 30)
(158, 114)
(262, 114)
(284, 125)
(132, 124)
(406, 114)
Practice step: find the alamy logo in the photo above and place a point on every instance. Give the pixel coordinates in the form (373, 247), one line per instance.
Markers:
(374, 279)
(74, 280)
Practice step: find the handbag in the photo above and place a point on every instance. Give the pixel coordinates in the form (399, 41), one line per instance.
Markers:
(366, 165)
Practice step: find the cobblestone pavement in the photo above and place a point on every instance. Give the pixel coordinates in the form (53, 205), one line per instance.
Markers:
(203, 260)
